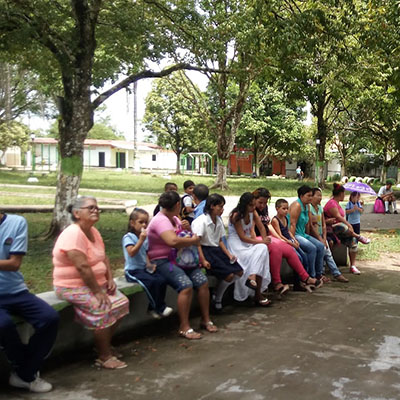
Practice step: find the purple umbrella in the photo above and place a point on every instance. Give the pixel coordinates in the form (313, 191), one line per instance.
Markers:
(359, 187)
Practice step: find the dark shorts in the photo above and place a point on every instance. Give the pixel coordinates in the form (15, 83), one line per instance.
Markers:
(220, 263)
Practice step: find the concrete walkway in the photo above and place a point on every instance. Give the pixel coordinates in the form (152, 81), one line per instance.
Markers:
(341, 342)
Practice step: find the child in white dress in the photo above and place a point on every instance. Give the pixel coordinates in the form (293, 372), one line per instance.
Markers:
(252, 254)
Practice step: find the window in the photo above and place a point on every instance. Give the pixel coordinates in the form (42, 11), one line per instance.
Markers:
(153, 157)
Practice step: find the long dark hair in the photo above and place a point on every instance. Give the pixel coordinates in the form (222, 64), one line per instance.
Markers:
(240, 209)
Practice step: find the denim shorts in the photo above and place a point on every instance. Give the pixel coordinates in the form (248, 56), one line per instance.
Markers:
(178, 278)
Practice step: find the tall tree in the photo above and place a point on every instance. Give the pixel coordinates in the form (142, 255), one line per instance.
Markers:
(75, 47)
(270, 127)
(318, 60)
(172, 118)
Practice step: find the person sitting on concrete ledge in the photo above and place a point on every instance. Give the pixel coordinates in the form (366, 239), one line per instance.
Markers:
(386, 195)
(82, 276)
(163, 238)
(339, 228)
(214, 256)
(319, 220)
(138, 267)
(200, 194)
(26, 359)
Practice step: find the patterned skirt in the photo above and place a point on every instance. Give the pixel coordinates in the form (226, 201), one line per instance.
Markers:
(86, 307)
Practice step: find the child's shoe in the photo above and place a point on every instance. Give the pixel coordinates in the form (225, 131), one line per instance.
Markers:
(364, 240)
(354, 270)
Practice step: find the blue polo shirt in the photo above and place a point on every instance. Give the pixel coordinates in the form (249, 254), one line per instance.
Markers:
(139, 261)
(13, 241)
(199, 210)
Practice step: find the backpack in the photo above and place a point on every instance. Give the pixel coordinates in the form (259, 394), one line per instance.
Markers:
(379, 206)
(187, 257)
(183, 214)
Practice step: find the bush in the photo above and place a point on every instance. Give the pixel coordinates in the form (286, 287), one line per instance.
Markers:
(336, 178)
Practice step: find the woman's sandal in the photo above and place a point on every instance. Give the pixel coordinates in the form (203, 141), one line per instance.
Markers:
(281, 289)
(209, 327)
(262, 302)
(111, 363)
(190, 334)
(251, 283)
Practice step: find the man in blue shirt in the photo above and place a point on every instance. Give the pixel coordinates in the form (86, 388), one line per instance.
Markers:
(200, 194)
(15, 298)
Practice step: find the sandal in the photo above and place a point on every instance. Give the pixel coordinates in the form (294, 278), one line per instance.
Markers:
(325, 279)
(111, 363)
(262, 302)
(209, 327)
(281, 289)
(190, 334)
(251, 284)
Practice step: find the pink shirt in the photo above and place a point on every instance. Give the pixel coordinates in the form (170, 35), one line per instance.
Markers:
(159, 224)
(65, 273)
(332, 203)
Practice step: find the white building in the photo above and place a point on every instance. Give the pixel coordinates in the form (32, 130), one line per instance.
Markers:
(97, 153)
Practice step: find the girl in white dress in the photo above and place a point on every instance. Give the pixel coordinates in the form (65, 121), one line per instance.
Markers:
(252, 254)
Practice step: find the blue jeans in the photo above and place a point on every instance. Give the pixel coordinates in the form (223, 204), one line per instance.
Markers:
(155, 286)
(27, 359)
(330, 262)
(178, 278)
(315, 252)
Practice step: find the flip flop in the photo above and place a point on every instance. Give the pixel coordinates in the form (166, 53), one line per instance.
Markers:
(251, 283)
(190, 334)
(263, 303)
(209, 327)
(110, 363)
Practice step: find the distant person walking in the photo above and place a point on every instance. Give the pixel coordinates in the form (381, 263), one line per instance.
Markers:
(299, 173)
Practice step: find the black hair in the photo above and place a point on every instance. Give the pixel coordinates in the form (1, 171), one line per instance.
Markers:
(389, 183)
(213, 200)
(168, 200)
(201, 191)
(240, 209)
(279, 202)
(316, 189)
(134, 216)
(262, 192)
(302, 190)
(337, 189)
(187, 184)
(168, 186)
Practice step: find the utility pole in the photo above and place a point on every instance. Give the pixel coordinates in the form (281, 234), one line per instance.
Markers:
(134, 123)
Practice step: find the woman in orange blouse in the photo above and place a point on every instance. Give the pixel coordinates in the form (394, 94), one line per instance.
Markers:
(83, 277)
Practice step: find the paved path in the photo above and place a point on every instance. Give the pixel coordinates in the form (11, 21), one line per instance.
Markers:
(341, 342)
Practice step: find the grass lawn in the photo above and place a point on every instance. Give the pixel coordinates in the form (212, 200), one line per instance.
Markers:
(126, 181)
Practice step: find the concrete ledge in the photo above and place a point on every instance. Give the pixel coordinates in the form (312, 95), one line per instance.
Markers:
(50, 208)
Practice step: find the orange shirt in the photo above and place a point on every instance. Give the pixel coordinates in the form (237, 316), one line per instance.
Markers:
(65, 273)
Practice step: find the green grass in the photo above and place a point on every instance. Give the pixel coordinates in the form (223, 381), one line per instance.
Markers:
(382, 242)
(126, 181)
